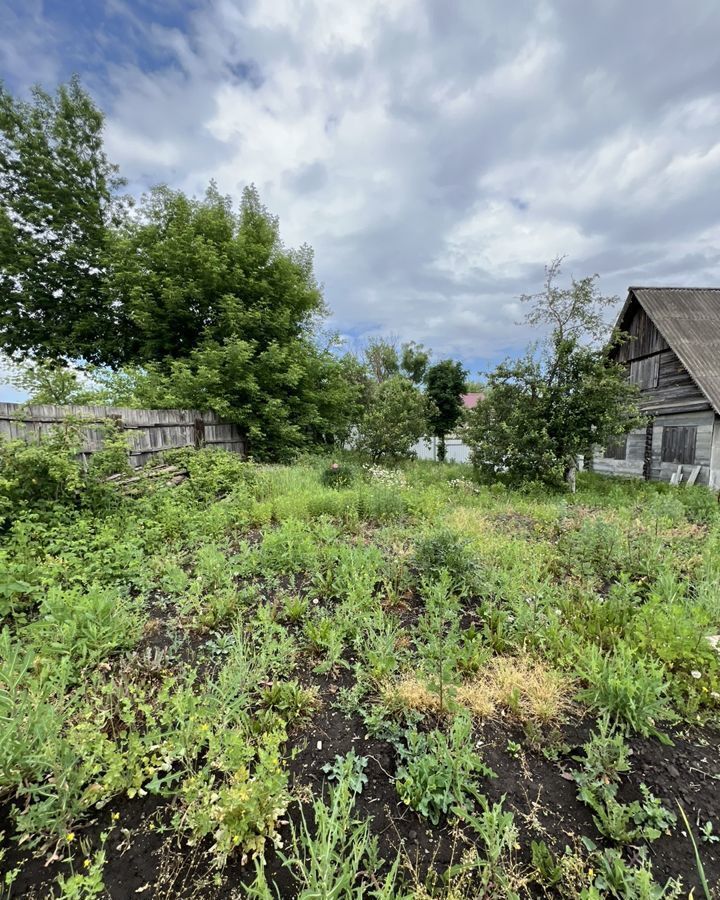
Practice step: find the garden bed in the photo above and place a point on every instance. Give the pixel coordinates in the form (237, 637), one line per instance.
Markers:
(404, 685)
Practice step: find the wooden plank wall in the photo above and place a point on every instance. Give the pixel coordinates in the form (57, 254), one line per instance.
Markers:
(715, 456)
(631, 466)
(645, 338)
(708, 431)
(675, 389)
(704, 422)
(149, 431)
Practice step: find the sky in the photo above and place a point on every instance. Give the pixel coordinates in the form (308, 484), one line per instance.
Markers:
(435, 153)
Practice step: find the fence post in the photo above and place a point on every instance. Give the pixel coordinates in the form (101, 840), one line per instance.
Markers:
(199, 433)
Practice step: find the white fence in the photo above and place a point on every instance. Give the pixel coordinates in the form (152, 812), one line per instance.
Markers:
(456, 450)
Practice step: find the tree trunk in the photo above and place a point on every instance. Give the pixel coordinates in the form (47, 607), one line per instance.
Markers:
(570, 473)
(441, 450)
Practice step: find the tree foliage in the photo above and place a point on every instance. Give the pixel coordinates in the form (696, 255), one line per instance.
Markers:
(47, 382)
(58, 196)
(445, 387)
(191, 271)
(383, 359)
(193, 302)
(414, 362)
(553, 405)
(395, 418)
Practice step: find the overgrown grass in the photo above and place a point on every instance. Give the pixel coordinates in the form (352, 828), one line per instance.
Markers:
(177, 642)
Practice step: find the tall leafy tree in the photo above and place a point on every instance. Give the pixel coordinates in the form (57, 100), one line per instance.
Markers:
(395, 418)
(382, 359)
(553, 405)
(445, 384)
(190, 271)
(58, 195)
(414, 361)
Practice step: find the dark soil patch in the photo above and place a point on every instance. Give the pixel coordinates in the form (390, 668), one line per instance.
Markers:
(146, 859)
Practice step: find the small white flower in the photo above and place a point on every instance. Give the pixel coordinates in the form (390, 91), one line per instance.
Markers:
(715, 695)
(696, 674)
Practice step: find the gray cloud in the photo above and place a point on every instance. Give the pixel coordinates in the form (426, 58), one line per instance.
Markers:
(436, 155)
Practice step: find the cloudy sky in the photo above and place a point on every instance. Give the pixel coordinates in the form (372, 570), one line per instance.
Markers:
(435, 153)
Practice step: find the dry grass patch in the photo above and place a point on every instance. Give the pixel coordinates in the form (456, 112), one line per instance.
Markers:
(478, 697)
(521, 687)
(411, 692)
(527, 688)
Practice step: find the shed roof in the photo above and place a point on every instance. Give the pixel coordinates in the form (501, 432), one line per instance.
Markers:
(689, 320)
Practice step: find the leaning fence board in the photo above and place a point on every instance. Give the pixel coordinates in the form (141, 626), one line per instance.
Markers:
(692, 477)
(148, 431)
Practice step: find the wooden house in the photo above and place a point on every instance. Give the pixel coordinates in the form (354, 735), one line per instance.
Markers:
(674, 358)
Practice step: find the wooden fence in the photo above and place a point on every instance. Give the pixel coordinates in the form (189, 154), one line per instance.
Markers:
(149, 431)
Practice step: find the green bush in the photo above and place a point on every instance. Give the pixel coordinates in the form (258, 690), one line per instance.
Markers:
(214, 473)
(631, 689)
(446, 550)
(39, 474)
(338, 475)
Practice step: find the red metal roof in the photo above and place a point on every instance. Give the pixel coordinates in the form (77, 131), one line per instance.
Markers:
(471, 400)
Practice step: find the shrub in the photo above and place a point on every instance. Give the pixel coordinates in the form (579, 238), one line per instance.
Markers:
(631, 689)
(40, 473)
(338, 475)
(214, 473)
(446, 550)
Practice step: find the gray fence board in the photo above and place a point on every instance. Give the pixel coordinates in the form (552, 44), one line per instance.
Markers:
(149, 431)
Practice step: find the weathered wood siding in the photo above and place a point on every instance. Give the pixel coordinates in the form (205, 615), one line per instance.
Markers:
(705, 424)
(707, 450)
(671, 398)
(675, 390)
(149, 431)
(715, 457)
(631, 466)
(666, 385)
(645, 338)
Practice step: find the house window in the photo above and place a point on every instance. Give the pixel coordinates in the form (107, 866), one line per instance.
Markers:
(678, 444)
(645, 372)
(616, 448)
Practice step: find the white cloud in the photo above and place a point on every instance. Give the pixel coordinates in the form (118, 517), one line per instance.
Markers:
(435, 155)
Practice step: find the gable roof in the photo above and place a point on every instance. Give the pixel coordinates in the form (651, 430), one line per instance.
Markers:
(689, 320)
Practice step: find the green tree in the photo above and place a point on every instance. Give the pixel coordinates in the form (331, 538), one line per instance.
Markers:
(554, 404)
(381, 359)
(395, 418)
(285, 398)
(190, 271)
(49, 382)
(414, 361)
(445, 384)
(58, 195)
